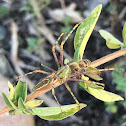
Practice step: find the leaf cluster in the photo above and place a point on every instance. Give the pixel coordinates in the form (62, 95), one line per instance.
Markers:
(81, 38)
(17, 99)
(18, 104)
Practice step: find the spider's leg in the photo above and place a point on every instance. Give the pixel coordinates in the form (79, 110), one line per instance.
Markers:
(86, 81)
(53, 91)
(35, 71)
(48, 67)
(53, 50)
(63, 42)
(68, 88)
(92, 71)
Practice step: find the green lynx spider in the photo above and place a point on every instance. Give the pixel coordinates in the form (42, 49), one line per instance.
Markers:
(71, 71)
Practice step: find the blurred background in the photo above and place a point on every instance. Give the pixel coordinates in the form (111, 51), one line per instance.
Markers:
(29, 28)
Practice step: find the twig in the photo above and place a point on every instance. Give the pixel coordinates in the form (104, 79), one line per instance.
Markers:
(108, 58)
(14, 42)
(122, 14)
(62, 2)
(56, 83)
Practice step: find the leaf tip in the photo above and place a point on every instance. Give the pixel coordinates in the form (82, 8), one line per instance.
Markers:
(100, 5)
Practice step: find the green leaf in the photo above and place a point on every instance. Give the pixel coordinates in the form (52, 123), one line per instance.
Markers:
(28, 112)
(21, 105)
(124, 34)
(104, 95)
(21, 91)
(94, 75)
(34, 103)
(76, 55)
(3, 11)
(85, 29)
(12, 112)
(12, 97)
(111, 41)
(92, 85)
(66, 61)
(54, 113)
(8, 102)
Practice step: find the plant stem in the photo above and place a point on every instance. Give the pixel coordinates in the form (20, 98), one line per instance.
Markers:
(108, 58)
(57, 83)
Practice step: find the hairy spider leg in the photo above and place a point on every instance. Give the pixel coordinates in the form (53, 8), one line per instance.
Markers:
(53, 50)
(86, 81)
(61, 61)
(35, 71)
(93, 71)
(69, 89)
(48, 67)
(63, 42)
(100, 70)
(53, 90)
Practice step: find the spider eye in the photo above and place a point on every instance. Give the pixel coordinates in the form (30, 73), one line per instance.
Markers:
(76, 69)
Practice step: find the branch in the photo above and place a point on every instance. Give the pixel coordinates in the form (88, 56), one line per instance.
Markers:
(57, 83)
(108, 58)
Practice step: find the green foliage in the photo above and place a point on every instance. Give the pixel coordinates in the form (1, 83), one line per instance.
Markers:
(111, 41)
(33, 44)
(124, 34)
(30, 107)
(82, 35)
(26, 8)
(104, 95)
(34, 103)
(118, 77)
(54, 113)
(92, 85)
(21, 105)
(84, 31)
(19, 95)
(3, 11)
(66, 21)
(41, 4)
(21, 91)
(8, 102)
(111, 9)
(66, 61)
(111, 107)
(12, 95)
(94, 75)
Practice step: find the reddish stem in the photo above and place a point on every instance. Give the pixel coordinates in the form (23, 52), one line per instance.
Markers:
(57, 83)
